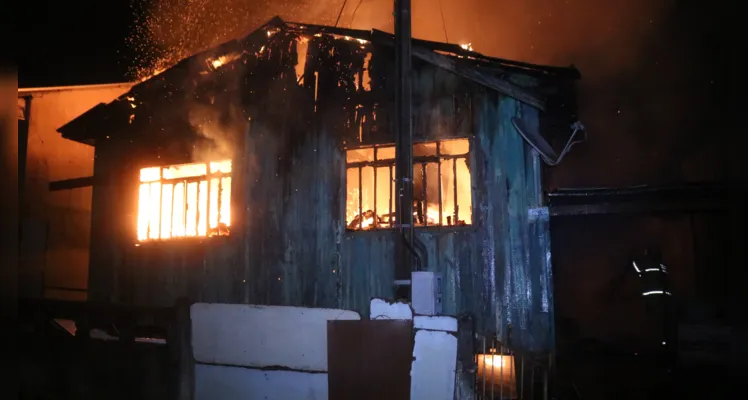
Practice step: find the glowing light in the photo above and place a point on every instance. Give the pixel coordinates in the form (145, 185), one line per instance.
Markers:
(498, 370)
(651, 292)
(636, 267)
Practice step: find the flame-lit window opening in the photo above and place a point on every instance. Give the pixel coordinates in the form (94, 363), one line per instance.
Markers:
(185, 200)
(441, 185)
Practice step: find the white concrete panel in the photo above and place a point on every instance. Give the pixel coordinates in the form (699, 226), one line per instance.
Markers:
(435, 323)
(381, 309)
(214, 382)
(263, 336)
(432, 375)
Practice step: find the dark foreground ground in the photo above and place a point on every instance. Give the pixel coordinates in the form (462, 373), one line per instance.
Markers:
(53, 365)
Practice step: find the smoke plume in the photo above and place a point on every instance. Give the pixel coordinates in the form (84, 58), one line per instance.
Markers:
(219, 128)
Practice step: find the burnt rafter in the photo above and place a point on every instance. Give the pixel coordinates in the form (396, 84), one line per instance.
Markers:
(485, 78)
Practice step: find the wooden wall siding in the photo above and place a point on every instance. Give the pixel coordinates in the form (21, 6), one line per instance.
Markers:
(288, 244)
(515, 275)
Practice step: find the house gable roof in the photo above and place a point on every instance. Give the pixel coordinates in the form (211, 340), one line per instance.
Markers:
(483, 70)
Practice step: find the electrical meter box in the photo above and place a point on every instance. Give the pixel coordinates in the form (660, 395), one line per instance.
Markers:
(426, 292)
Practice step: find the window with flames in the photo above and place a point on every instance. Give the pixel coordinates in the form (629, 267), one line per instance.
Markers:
(187, 200)
(442, 193)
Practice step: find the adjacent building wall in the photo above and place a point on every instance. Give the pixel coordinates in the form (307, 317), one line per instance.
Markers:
(55, 225)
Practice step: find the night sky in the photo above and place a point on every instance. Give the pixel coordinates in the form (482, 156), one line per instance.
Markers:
(75, 42)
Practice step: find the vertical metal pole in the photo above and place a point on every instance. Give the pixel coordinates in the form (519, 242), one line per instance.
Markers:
(424, 193)
(403, 139)
(207, 199)
(439, 177)
(375, 168)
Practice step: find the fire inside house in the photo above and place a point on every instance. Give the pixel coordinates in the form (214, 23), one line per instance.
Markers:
(184, 200)
(441, 185)
(262, 172)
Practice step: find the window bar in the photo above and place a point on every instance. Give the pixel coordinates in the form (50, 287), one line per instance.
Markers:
(376, 213)
(501, 372)
(207, 200)
(148, 221)
(360, 199)
(424, 204)
(160, 204)
(493, 350)
(171, 217)
(184, 205)
(454, 181)
(389, 195)
(439, 178)
(218, 206)
(197, 210)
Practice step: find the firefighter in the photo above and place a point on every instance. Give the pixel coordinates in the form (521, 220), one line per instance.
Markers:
(653, 277)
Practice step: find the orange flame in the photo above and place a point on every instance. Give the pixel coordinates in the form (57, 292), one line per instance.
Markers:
(467, 46)
(223, 60)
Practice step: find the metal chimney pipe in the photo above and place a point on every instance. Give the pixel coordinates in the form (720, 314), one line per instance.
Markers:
(403, 140)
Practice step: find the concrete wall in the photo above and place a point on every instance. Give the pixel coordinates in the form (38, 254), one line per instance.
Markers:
(55, 225)
(273, 352)
(264, 352)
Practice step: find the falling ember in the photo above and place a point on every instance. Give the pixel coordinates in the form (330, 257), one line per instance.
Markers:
(131, 101)
(184, 200)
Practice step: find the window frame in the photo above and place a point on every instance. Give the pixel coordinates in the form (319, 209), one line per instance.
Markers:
(186, 180)
(423, 161)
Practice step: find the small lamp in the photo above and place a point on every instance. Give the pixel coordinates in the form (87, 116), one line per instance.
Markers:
(497, 375)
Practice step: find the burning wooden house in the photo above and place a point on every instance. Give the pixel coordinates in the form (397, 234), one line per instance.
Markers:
(261, 171)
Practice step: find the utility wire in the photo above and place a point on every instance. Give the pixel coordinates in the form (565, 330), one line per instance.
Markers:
(444, 24)
(341, 12)
(354, 12)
